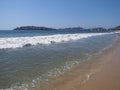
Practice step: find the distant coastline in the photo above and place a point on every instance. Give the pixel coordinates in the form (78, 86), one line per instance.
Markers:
(97, 29)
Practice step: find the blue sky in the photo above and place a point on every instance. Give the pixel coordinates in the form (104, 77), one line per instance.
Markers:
(59, 13)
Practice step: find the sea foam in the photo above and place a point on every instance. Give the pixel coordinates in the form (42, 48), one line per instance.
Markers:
(18, 42)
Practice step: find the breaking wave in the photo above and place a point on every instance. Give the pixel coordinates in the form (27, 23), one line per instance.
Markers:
(18, 42)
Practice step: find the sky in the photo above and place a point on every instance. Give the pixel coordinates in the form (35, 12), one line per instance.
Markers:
(59, 13)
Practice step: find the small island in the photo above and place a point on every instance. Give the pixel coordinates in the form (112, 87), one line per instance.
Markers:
(33, 28)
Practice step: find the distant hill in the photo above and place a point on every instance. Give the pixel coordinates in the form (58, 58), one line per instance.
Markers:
(97, 29)
(117, 28)
(46, 28)
(33, 28)
(73, 28)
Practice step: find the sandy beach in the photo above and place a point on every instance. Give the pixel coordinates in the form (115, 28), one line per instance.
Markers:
(109, 76)
(103, 74)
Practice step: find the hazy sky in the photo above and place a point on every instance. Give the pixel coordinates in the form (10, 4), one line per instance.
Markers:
(59, 13)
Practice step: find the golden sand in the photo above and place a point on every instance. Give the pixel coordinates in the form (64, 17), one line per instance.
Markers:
(103, 74)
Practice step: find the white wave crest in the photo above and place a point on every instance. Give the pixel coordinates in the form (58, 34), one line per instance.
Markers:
(17, 42)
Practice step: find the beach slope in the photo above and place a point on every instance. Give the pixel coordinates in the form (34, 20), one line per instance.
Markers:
(106, 74)
(109, 76)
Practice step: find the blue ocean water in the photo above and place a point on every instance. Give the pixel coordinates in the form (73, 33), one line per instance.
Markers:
(28, 59)
(24, 33)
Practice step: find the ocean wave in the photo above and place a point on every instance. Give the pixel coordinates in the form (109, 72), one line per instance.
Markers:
(44, 79)
(18, 42)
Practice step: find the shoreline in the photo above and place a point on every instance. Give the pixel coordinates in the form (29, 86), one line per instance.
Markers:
(98, 74)
(108, 77)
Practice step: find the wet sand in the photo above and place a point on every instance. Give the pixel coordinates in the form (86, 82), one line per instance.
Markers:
(109, 76)
(103, 74)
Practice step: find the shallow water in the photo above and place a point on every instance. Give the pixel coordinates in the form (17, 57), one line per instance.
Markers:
(33, 66)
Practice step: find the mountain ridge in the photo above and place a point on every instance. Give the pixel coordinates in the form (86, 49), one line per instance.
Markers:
(69, 28)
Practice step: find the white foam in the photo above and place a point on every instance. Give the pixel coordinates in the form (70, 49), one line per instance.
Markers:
(17, 42)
